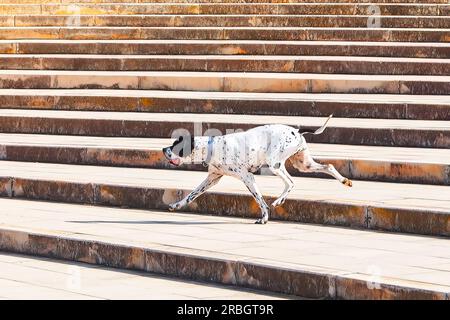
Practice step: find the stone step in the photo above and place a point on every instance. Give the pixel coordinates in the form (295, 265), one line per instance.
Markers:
(387, 106)
(225, 81)
(333, 21)
(28, 277)
(403, 165)
(228, 47)
(228, 8)
(219, 1)
(377, 132)
(303, 260)
(227, 33)
(228, 63)
(406, 208)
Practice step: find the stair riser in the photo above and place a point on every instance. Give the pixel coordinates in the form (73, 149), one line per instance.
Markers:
(220, 1)
(310, 49)
(224, 65)
(225, 21)
(221, 83)
(108, 33)
(200, 268)
(229, 106)
(358, 169)
(155, 129)
(195, 9)
(228, 204)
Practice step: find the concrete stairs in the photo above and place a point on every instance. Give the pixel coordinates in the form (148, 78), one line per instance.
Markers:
(304, 260)
(374, 163)
(90, 91)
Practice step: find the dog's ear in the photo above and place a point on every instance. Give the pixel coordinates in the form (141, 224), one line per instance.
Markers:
(183, 146)
(177, 141)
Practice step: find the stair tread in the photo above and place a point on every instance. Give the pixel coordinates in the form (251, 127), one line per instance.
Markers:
(231, 118)
(405, 260)
(29, 277)
(398, 195)
(261, 75)
(322, 151)
(196, 41)
(340, 97)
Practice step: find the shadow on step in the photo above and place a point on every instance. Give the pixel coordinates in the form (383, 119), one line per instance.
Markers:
(156, 222)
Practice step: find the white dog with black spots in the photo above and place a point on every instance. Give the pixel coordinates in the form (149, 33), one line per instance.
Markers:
(241, 154)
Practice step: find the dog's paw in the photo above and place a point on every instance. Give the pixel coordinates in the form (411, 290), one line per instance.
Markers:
(261, 221)
(347, 182)
(174, 206)
(278, 202)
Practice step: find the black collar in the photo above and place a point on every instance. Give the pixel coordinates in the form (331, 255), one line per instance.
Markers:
(209, 152)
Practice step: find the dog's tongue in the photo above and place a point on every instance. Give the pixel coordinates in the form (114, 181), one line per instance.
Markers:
(175, 162)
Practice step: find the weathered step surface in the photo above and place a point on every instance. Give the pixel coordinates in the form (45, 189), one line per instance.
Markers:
(218, 1)
(404, 165)
(329, 21)
(369, 205)
(308, 261)
(229, 47)
(341, 105)
(225, 81)
(228, 63)
(285, 104)
(382, 132)
(228, 8)
(228, 33)
(28, 277)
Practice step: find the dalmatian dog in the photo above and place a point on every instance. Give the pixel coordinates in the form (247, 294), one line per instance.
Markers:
(241, 154)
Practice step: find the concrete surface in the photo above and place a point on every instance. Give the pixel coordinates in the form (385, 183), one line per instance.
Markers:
(369, 205)
(25, 277)
(405, 264)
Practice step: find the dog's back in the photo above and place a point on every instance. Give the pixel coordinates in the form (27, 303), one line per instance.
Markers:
(258, 146)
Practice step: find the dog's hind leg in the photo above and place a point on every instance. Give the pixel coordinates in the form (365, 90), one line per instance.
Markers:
(249, 180)
(305, 163)
(210, 181)
(287, 179)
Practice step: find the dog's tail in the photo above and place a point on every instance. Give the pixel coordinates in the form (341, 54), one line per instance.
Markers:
(318, 131)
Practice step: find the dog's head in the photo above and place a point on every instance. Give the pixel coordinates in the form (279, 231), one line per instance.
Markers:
(180, 151)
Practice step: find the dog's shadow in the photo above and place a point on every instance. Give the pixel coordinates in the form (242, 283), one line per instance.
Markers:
(155, 222)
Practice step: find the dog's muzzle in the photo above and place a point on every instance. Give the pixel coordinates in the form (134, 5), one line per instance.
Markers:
(175, 162)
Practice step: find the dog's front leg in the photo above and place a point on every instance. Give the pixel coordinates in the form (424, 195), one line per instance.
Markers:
(210, 181)
(249, 181)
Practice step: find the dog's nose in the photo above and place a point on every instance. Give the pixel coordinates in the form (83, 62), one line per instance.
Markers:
(165, 149)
